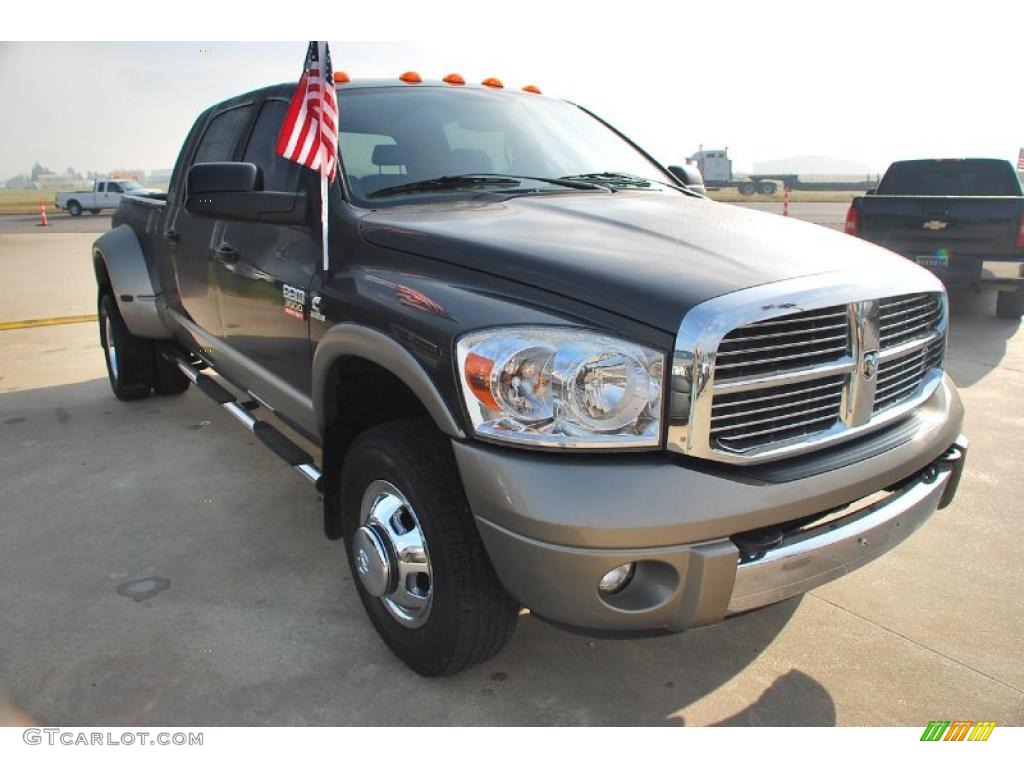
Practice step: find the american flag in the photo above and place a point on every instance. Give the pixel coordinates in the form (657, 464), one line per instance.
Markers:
(309, 135)
(1020, 160)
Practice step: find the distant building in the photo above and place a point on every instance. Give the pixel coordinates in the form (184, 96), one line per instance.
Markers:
(134, 175)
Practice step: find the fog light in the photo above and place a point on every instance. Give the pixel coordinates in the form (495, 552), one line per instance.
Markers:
(616, 579)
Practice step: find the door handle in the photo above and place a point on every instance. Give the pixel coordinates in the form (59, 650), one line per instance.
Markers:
(172, 237)
(227, 254)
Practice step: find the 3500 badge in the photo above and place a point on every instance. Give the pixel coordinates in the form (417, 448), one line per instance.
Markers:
(294, 301)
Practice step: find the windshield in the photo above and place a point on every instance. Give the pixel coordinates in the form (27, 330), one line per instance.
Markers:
(958, 178)
(403, 135)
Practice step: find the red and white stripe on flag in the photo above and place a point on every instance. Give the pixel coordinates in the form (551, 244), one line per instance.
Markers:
(309, 135)
(1020, 160)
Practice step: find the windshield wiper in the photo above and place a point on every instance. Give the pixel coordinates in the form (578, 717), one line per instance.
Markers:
(476, 180)
(617, 178)
(614, 177)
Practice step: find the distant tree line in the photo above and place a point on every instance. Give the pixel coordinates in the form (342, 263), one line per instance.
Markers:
(31, 179)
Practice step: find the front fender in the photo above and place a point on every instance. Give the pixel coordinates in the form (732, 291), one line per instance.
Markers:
(118, 256)
(352, 339)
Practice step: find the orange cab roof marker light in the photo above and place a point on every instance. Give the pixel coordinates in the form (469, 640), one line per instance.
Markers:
(340, 77)
(493, 82)
(454, 79)
(531, 89)
(410, 77)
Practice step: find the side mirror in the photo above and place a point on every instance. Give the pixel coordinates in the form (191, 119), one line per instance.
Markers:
(871, 192)
(234, 191)
(689, 176)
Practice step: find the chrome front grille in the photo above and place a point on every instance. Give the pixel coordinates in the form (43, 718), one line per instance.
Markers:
(904, 320)
(900, 377)
(794, 376)
(789, 343)
(741, 420)
(901, 318)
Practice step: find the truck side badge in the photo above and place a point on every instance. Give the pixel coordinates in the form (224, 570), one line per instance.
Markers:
(314, 309)
(294, 301)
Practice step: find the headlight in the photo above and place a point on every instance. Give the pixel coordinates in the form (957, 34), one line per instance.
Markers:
(561, 388)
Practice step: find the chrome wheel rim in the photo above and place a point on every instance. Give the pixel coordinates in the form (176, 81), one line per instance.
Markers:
(390, 555)
(108, 338)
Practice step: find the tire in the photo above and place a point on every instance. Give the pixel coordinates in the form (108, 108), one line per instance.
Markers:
(403, 474)
(767, 187)
(129, 359)
(74, 208)
(168, 378)
(746, 188)
(1010, 304)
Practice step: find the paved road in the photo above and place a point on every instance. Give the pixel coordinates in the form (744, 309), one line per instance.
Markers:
(260, 625)
(58, 222)
(827, 214)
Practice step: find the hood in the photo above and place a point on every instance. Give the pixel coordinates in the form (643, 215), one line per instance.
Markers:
(649, 256)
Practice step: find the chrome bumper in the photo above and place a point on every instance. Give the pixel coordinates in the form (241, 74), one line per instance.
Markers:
(811, 558)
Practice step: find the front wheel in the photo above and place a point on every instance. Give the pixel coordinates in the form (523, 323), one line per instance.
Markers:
(422, 573)
(75, 208)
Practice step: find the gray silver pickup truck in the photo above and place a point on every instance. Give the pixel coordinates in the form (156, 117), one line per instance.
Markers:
(539, 371)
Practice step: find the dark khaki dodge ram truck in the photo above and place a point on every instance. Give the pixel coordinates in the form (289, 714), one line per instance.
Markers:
(539, 371)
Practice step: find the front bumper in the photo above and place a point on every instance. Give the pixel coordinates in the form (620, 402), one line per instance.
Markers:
(553, 525)
(818, 555)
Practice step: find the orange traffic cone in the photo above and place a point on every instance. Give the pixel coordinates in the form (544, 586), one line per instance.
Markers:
(42, 215)
(785, 201)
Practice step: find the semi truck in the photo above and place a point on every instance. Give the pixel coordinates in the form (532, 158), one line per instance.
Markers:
(715, 166)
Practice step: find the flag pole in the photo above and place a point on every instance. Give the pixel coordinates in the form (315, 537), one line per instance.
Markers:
(324, 159)
(323, 212)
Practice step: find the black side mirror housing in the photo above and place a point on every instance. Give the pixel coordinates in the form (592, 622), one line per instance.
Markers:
(234, 191)
(689, 176)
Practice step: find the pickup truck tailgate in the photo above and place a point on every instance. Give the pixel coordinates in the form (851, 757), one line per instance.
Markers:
(976, 226)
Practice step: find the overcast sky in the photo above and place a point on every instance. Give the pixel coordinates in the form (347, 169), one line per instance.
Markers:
(909, 83)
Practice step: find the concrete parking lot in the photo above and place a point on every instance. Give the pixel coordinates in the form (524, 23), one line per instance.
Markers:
(161, 567)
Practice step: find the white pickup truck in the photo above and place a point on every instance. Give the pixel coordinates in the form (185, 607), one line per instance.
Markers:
(105, 193)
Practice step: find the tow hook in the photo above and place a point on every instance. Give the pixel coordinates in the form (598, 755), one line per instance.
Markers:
(954, 460)
(754, 544)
